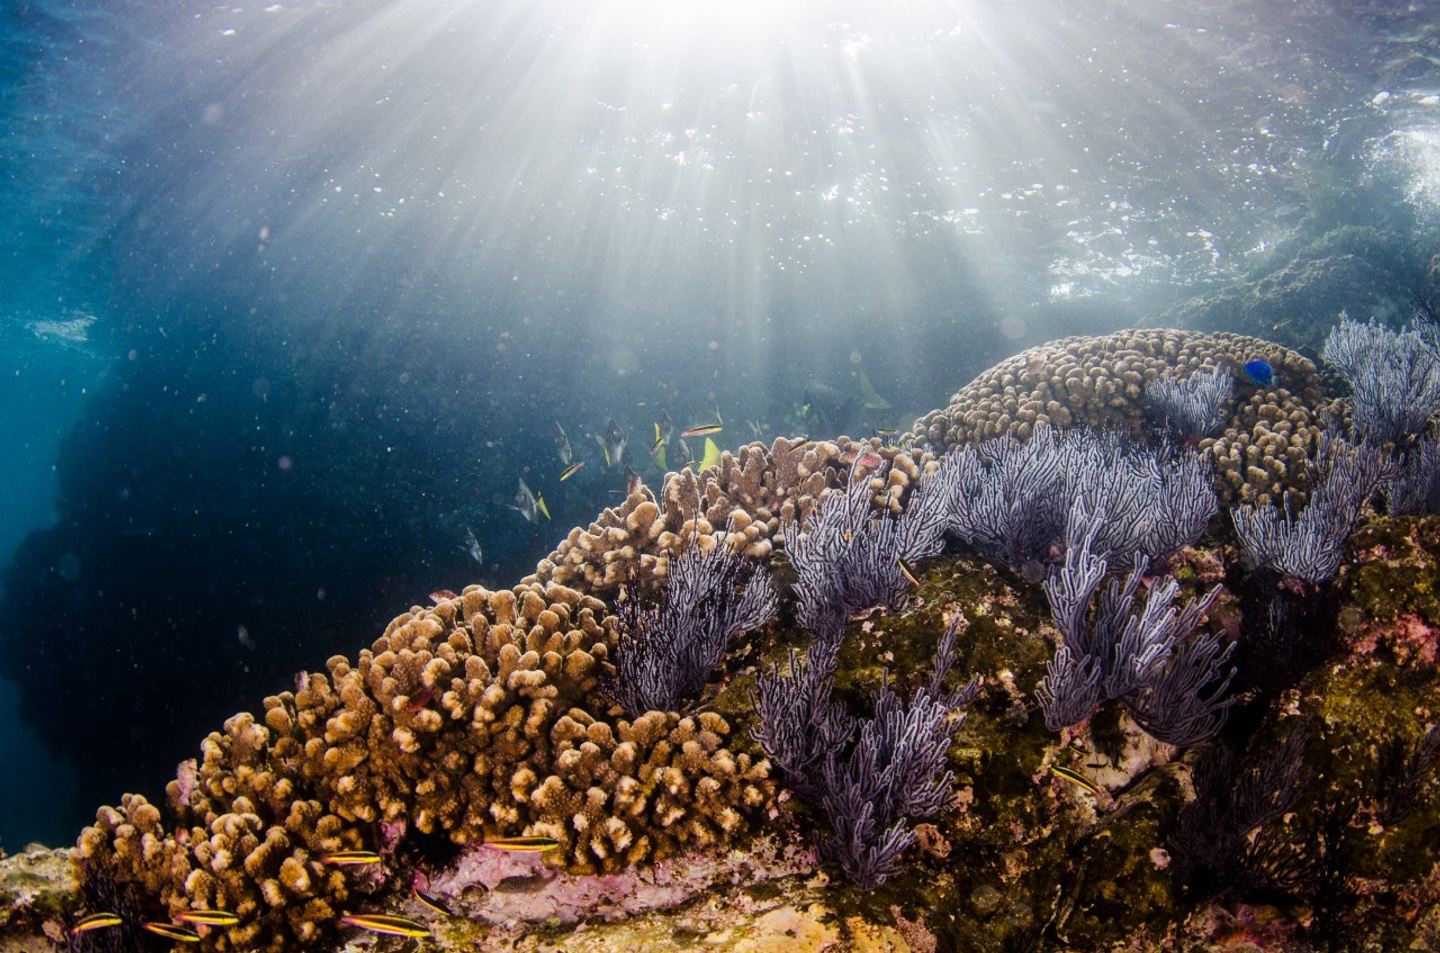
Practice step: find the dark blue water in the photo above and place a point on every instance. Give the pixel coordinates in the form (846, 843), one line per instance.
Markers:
(292, 295)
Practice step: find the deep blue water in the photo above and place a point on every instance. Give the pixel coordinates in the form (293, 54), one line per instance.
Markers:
(291, 295)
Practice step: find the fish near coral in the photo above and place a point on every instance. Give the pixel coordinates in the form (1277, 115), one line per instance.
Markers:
(523, 845)
(528, 505)
(1259, 372)
(95, 921)
(386, 924)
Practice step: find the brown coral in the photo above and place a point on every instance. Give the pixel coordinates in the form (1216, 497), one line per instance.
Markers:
(1100, 382)
(468, 719)
(752, 491)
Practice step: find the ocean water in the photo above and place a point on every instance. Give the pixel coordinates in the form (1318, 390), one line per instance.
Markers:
(292, 295)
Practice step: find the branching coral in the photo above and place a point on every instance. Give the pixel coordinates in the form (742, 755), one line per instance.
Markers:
(848, 557)
(667, 649)
(466, 720)
(1415, 489)
(1148, 657)
(1310, 546)
(1099, 383)
(1012, 500)
(1394, 377)
(1193, 407)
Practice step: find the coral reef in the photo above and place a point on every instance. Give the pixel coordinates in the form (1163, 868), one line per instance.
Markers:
(1394, 377)
(1300, 814)
(753, 491)
(1100, 382)
(463, 720)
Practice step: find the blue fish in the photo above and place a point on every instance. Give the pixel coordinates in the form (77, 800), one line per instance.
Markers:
(1260, 372)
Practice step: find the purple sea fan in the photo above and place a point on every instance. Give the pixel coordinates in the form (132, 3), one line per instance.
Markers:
(1146, 655)
(1310, 545)
(1194, 407)
(667, 649)
(1394, 377)
(847, 558)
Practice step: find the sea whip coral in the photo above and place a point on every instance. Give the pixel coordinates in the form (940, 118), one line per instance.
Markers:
(667, 650)
(1012, 500)
(1143, 656)
(1394, 377)
(1310, 546)
(1196, 406)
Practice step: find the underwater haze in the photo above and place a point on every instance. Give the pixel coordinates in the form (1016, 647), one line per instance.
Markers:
(294, 295)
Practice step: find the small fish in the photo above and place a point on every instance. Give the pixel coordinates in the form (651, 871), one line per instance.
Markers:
(680, 455)
(349, 858)
(804, 442)
(386, 924)
(571, 470)
(525, 845)
(171, 931)
(712, 455)
(95, 921)
(1075, 778)
(209, 918)
(633, 483)
(562, 445)
(471, 547)
(528, 505)
(659, 443)
(418, 701)
(1259, 371)
(886, 432)
(908, 573)
(873, 401)
(428, 901)
(612, 444)
(442, 595)
(704, 430)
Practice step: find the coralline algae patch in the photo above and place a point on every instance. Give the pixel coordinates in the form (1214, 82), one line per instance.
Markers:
(488, 716)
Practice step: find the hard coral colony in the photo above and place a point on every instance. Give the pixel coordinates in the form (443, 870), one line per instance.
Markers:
(544, 712)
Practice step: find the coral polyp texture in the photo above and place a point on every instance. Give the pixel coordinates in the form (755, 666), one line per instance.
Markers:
(1101, 383)
(1142, 742)
(465, 721)
(752, 491)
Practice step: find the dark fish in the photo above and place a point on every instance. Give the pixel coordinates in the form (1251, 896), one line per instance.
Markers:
(524, 845)
(386, 924)
(95, 921)
(528, 505)
(704, 430)
(420, 699)
(428, 901)
(829, 411)
(171, 931)
(571, 470)
(680, 455)
(633, 483)
(209, 918)
(1259, 371)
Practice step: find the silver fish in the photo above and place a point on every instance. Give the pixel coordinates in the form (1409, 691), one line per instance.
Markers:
(562, 445)
(471, 547)
(612, 444)
(528, 505)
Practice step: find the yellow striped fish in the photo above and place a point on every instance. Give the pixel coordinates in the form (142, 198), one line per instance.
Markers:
(171, 931)
(385, 923)
(523, 844)
(571, 470)
(1075, 778)
(428, 901)
(704, 430)
(909, 573)
(95, 921)
(345, 858)
(209, 918)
